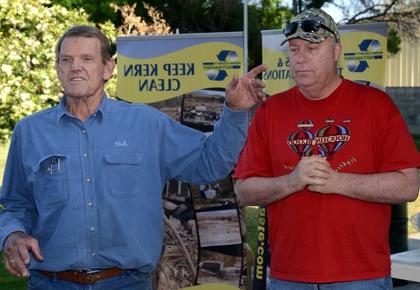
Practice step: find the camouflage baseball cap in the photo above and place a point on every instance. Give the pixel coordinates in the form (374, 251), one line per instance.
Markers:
(313, 25)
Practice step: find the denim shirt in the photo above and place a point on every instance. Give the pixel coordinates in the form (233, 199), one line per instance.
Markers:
(91, 192)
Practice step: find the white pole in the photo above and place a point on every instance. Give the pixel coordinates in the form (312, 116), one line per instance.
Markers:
(245, 36)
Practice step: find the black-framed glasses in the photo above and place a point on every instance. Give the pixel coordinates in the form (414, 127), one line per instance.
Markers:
(308, 25)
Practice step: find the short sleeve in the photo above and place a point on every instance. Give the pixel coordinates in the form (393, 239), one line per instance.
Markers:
(254, 159)
(397, 149)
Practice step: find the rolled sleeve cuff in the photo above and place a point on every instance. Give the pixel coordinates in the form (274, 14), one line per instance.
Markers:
(236, 116)
(7, 230)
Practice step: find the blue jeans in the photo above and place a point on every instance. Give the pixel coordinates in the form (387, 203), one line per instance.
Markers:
(373, 284)
(129, 280)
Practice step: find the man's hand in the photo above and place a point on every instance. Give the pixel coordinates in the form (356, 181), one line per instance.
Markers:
(244, 92)
(313, 171)
(16, 253)
(329, 183)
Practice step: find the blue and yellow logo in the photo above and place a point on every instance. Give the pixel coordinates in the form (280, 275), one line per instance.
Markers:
(226, 60)
(370, 49)
(363, 57)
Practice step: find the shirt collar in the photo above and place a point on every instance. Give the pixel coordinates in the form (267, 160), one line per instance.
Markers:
(62, 109)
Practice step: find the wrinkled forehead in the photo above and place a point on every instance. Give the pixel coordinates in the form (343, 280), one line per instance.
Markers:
(80, 44)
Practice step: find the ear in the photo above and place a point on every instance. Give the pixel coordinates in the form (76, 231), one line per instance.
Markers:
(337, 51)
(56, 65)
(57, 70)
(109, 69)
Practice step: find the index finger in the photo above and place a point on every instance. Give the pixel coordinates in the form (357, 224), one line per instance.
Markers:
(256, 71)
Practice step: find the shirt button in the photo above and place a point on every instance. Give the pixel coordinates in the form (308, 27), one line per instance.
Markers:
(90, 204)
(93, 253)
(85, 155)
(92, 229)
(84, 131)
(88, 180)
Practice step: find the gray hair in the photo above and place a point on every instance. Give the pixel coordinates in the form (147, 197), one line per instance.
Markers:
(89, 32)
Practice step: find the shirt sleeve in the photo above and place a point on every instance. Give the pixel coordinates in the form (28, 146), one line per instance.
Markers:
(397, 149)
(190, 155)
(18, 208)
(254, 159)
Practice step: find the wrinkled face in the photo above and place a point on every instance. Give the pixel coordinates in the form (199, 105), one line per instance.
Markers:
(313, 63)
(80, 68)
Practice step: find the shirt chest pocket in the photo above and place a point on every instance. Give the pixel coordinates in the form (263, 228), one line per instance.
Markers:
(51, 182)
(123, 173)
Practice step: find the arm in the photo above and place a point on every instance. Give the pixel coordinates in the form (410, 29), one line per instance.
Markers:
(386, 187)
(316, 173)
(190, 156)
(261, 190)
(266, 190)
(17, 216)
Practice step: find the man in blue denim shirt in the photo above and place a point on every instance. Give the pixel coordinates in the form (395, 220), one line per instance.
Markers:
(83, 180)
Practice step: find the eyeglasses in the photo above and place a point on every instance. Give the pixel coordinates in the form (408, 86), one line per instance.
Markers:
(306, 26)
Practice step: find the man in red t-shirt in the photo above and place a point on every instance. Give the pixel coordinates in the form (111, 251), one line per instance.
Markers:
(328, 157)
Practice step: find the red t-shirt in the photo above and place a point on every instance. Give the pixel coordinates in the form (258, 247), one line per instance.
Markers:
(325, 238)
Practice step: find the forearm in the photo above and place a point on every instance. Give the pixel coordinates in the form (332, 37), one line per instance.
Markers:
(191, 156)
(263, 190)
(266, 190)
(221, 150)
(388, 187)
(8, 225)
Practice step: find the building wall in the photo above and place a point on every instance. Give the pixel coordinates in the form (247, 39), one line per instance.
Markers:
(402, 82)
(407, 100)
(403, 69)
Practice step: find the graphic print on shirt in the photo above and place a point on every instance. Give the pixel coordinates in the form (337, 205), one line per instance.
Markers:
(326, 141)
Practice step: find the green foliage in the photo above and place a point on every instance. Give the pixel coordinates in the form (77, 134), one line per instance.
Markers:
(273, 15)
(393, 41)
(98, 11)
(197, 16)
(251, 221)
(29, 31)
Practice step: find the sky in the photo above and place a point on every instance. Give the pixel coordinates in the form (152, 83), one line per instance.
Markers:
(333, 11)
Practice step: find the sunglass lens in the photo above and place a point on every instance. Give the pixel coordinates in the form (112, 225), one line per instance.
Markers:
(290, 28)
(309, 25)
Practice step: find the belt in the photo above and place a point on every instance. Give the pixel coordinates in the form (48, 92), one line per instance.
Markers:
(84, 276)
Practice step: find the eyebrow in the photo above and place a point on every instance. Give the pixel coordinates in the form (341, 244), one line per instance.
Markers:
(83, 55)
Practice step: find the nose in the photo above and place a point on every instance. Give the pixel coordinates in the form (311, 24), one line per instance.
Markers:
(76, 64)
(300, 56)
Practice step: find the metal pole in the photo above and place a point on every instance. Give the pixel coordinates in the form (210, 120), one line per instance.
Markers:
(245, 36)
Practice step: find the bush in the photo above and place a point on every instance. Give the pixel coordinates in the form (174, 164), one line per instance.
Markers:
(29, 30)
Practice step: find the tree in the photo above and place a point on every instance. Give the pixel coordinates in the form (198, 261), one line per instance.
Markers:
(29, 31)
(97, 11)
(300, 5)
(274, 14)
(185, 16)
(402, 17)
(133, 24)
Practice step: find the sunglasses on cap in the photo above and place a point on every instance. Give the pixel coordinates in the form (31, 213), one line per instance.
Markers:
(308, 25)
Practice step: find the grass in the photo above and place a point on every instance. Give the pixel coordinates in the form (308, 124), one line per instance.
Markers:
(7, 282)
(251, 221)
